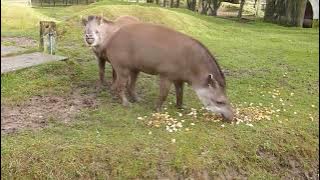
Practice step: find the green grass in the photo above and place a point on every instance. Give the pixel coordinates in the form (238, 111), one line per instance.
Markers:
(110, 142)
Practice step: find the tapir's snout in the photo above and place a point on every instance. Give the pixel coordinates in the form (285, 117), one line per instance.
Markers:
(228, 115)
(226, 112)
(89, 39)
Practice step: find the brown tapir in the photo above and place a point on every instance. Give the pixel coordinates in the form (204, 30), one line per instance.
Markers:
(175, 57)
(97, 32)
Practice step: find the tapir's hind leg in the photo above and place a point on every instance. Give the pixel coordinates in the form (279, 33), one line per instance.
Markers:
(164, 91)
(132, 85)
(179, 93)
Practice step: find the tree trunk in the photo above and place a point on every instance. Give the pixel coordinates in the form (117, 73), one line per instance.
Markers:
(203, 7)
(241, 8)
(171, 3)
(285, 12)
(216, 5)
(178, 4)
(257, 7)
(164, 3)
(157, 1)
(191, 5)
(210, 8)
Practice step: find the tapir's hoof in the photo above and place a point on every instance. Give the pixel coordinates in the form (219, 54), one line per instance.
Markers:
(158, 109)
(113, 87)
(136, 99)
(179, 106)
(126, 104)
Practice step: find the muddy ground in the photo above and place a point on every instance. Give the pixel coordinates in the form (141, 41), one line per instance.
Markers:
(20, 41)
(36, 112)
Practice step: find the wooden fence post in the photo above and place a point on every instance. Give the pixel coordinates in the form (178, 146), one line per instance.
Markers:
(47, 36)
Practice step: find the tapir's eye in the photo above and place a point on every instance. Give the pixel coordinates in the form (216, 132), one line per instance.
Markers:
(220, 102)
(97, 32)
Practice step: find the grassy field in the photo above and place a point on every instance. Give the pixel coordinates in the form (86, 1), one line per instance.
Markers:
(108, 141)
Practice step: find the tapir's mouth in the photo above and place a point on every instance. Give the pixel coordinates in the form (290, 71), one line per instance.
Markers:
(90, 40)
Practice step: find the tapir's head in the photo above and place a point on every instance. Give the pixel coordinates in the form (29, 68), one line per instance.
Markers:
(212, 95)
(93, 33)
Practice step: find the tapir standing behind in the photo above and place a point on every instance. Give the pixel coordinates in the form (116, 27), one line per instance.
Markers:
(175, 57)
(98, 32)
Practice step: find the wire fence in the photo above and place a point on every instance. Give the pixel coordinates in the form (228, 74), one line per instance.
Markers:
(44, 3)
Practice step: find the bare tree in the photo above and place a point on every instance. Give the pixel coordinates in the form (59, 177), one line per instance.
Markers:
(191, 5)
(257, 7)
(241, 8)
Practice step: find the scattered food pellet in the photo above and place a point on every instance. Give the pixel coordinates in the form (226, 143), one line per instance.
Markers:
(150, 133)
(173, 140)
(187, 129)
(313, 106)
(294, 112)
(291, 94)
(251, 125)
(192, 124)
(140, 118)
(222, 125)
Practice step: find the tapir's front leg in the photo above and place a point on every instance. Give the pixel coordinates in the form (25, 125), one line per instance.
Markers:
(164, 91)
(179, 93)
(132, 85)
(114, 75)
(102, 65)
(120, 85)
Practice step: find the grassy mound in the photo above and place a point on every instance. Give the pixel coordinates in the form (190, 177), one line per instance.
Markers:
(264, 64)
(20, 20)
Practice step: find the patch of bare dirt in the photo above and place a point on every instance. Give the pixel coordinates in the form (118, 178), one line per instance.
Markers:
(292, 164)
(38, 110)
(21, 41)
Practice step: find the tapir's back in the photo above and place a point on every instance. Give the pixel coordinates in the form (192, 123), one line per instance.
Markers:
(154, 49)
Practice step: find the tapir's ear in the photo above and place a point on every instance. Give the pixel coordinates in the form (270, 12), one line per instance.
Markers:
(84, 21)
(211, 81)
(104, 21)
